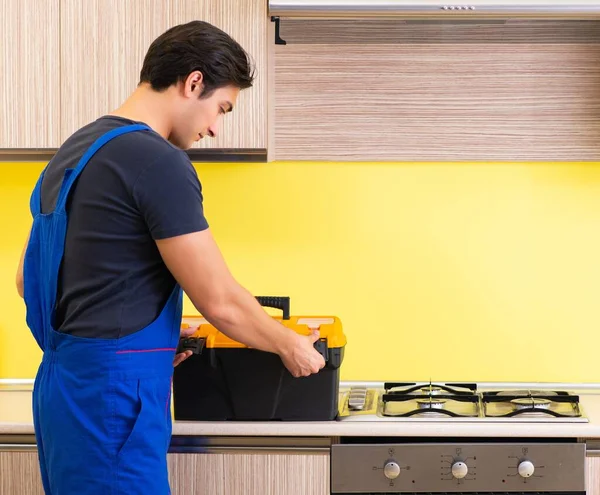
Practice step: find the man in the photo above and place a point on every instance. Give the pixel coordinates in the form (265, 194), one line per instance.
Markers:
(118, 232)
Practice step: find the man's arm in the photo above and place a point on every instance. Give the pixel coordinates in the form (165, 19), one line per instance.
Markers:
(197, 264)
(20, 283)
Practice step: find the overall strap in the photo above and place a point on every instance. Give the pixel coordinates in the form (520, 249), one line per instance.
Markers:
(72, 174)
(35, 201)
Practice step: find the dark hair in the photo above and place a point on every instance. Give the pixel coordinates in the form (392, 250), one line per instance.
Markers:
(200, 46)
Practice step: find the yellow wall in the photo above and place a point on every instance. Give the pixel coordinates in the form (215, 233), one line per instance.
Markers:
(487, 272)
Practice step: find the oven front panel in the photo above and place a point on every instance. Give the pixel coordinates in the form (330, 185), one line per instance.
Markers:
(458, 468)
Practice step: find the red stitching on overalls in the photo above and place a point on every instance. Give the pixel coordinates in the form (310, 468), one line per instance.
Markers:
(148, 350)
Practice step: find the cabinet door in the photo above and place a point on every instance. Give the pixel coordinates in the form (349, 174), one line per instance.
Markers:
(249, 474)
(29, 85)
(379, 89)
(592, 476)
(276, 474)
(20, 474)
(104, 43)
(196, 474)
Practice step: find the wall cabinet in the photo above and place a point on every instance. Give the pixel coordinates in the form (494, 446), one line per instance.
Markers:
(64, 63)
(30, 75)
(103, 43)
(381, 89)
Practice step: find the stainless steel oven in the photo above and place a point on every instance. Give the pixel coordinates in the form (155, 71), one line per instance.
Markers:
(479, 467)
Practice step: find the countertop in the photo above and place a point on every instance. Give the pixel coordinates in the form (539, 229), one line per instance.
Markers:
(16, 419)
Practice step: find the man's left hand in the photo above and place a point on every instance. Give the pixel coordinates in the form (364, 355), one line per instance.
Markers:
(182, 356)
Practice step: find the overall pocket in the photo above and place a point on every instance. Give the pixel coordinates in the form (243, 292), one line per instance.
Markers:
(142, 421)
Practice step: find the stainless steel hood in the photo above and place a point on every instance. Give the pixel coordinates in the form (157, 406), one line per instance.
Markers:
(451, 9)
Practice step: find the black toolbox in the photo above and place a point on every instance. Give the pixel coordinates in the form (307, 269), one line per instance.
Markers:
(225, 380)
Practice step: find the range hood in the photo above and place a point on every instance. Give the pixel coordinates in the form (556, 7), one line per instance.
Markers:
(473, 9)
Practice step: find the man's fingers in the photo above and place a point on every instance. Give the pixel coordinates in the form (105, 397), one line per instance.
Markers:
(186, 332)
(179, 358)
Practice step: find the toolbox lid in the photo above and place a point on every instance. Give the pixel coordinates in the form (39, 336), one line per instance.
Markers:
(330, 330)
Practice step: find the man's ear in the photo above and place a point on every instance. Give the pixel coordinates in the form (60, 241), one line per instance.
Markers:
(193, 84)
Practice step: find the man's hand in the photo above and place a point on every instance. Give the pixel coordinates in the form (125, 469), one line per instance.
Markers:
(182, 356)
(300, 357)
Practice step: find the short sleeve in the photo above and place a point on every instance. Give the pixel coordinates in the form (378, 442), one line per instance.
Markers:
(169, 196)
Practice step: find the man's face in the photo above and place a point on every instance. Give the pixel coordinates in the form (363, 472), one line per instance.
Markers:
(201, 117)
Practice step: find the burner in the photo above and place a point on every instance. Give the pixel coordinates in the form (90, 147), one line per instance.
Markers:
(431, 403)
(528, 393)
(430, 399)
(428, 389)
(431, 390)
(531, 402)
(543, 403)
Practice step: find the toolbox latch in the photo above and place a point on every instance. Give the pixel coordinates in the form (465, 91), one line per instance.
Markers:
(322, 348)
(194, 344)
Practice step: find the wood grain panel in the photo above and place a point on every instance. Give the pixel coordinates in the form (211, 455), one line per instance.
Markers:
(103, 43)
(196, 474)
(20, 474)
(436, 101)
(434, 31)
(103, 47)
(29, 64)
(592, 481)
(276, 474)
(201, 474)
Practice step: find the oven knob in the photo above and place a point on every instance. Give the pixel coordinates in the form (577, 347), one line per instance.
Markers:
(526, 469)
(391, 470)
(459, 470)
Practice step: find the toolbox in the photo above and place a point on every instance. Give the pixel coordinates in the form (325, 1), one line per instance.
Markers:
(225, 380)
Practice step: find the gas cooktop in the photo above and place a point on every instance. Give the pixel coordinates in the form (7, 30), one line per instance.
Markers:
(400, 401)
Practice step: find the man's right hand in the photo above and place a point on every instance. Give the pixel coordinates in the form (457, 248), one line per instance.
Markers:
(299, 355)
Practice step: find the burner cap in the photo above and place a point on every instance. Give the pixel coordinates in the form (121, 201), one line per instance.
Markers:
(431, 403)
(529, 402)
(429, 390)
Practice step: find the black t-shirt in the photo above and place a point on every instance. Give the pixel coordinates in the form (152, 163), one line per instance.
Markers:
(135, 189)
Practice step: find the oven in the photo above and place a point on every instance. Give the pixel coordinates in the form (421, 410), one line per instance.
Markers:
(446, 465)
(432, 467)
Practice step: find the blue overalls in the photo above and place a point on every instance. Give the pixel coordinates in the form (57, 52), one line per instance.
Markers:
(100, 406)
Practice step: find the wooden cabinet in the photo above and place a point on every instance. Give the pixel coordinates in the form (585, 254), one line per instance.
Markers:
(29, 68)
(249, 473)
(383, 89)
(20, 473)
(275, 474)
(592, 477)
(102, 47)
(103, 43)
(201, 474)
(198, 474)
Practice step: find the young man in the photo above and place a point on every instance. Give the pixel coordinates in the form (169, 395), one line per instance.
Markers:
(118, 232)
